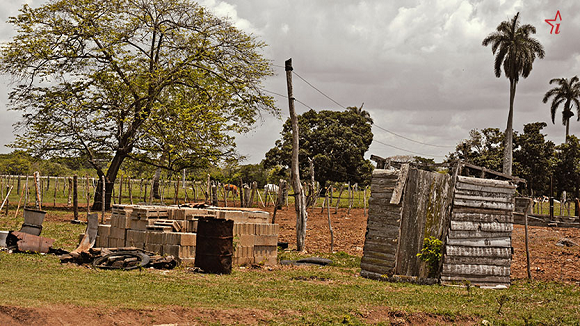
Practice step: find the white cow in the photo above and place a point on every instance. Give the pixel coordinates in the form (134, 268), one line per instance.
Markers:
(271, 188)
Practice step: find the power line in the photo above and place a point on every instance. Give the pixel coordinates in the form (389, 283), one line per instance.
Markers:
(412, 140)
(354, 131)
(382, 128)
(319, 91)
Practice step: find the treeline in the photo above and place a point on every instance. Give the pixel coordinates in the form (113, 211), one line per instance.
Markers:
(537, 160)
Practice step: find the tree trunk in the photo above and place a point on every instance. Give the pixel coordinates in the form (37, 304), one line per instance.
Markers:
(110, 177)
(508, 151)
(567, 130)
(155, 187)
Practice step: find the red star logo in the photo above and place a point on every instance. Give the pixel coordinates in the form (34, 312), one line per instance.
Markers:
(557, 18)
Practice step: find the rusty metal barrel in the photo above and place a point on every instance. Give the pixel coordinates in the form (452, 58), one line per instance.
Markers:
(214, 245)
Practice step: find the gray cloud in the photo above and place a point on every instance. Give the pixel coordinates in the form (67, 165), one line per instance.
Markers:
(418, 66)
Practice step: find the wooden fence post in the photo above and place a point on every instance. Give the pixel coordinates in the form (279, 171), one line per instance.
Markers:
(338, 199)
(103, 198)
(55, 189)
(330, 225)
(88, 194)
(75, 198)
(120, 189)
(526, 235)
(130, 186)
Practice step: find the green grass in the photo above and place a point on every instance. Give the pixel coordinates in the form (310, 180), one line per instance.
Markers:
(308, 294)
(316, 295)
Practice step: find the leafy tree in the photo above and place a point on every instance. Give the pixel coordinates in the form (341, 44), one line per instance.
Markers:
(16, 163)
(254, 172)
(335, 140)
(483, 148)
(162, 82)
(516, 51)
(567, 92)
(533, 158)
(567, 166)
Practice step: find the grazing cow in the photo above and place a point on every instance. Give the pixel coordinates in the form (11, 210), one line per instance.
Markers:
(232, 188)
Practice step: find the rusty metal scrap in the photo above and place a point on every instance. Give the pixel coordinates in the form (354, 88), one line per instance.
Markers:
(90, 235)
(21, 241)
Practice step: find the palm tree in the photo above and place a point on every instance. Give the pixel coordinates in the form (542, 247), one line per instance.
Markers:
(359, 111)
(516, 51)
(568, 92)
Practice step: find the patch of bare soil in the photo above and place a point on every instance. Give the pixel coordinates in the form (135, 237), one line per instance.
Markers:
(548, 262)
(348, 229)
(72, 315)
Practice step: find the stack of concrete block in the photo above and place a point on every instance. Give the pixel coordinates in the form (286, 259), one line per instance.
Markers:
(168, 230)
(255, 243)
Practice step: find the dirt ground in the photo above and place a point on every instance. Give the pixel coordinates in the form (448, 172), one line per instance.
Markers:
(549, 262)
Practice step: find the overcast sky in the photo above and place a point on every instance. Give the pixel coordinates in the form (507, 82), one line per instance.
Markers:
(418, 66)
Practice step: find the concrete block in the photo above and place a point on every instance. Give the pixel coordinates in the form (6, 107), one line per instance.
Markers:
(265, 251)
(171, 250)
(240, 251)
(117, 233)
(125, 222)
(266, 240)
(246, 240)
(190, 262)
(241, 261)
(139, 225)
(155, 237)
(188, 239)
(187, 252)
(104, 230)
(156, 248)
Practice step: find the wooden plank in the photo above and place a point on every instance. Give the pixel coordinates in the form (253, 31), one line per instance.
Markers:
(475, 280)
(398, 191)
(377, 187)
(386, 217)
(483, 270)
(485, 182)
(383, 270)
(382, 195)
(389, 257)
(383, 229)
(387, 209)
(483, 204)
(504, 252)
(497, 242)
(382, 173)
(376, 224)
(467, 187)
(476, 234)
(461, 260)
(424, 211)
(481, 216)
(378, 238)
(478, 198)
(380, 247)
(481, 226)
(389, 263)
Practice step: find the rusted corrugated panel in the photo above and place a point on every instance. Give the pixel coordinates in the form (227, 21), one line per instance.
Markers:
(34, 243)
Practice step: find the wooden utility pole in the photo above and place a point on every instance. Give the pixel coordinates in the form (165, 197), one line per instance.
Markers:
(299, 200)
